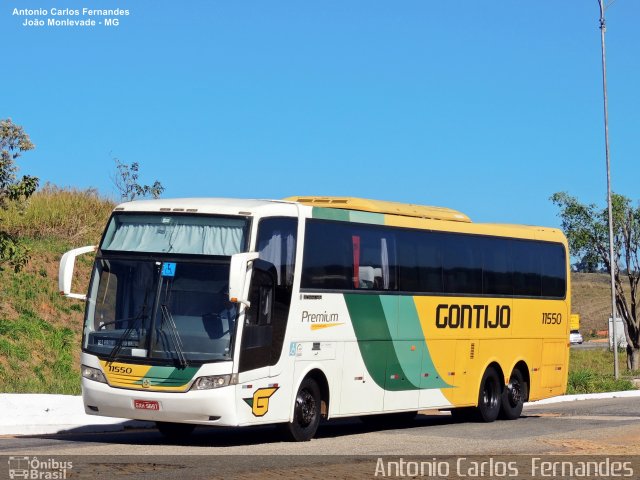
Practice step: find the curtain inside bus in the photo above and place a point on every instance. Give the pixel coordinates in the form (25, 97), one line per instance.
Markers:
(172, 234)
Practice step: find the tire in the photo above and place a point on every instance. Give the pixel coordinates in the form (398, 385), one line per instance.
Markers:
(514, 396)
(306, 413)
(489, 397)
(175, 431)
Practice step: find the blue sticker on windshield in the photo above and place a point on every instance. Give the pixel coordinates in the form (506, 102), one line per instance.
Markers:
(168, 269)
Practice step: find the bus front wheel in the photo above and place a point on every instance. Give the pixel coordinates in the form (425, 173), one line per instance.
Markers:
(514, 396)
(490, 396)
(306, 413)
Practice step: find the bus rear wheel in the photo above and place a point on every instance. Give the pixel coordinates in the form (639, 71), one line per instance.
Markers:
(514, 396)
(490, 396)
(306, 413)
(175, 431)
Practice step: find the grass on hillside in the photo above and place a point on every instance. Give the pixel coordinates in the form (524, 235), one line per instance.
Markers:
(591, 371)
(39, 329)
(77, 216)
(591, 298)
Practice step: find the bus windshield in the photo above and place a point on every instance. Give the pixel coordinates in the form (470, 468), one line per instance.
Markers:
(167, 311)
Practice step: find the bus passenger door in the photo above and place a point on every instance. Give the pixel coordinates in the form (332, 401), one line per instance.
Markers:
(257, 331)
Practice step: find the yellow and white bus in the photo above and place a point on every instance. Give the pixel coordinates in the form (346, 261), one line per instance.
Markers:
(245, 312)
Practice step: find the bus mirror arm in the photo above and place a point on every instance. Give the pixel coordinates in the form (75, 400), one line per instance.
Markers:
(65, 274)
(240, 277)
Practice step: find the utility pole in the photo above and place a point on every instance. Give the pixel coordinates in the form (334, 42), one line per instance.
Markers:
(612, 264)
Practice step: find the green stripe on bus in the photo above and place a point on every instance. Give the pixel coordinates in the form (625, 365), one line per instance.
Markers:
(375, 341)
(169, 376)
(411, 329)
(330, 214)
(393, 364)
(366, 217)
(348, 215)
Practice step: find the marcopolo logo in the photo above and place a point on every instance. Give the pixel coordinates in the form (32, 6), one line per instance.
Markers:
(37, 469)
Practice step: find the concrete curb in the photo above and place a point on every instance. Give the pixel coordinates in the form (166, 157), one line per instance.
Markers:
(42, 414)
(38, 414)
(587, 396)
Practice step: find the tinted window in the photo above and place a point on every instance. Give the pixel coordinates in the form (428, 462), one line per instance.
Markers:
(374, 263)
(328, 256)
(419, 261)
(497, 268)
(553, 270)
(462, 264)
(347, 256)
(526, 266)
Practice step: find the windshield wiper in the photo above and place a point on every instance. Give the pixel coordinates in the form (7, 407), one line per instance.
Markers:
(116, 349)
(175, 336)
(111, 322)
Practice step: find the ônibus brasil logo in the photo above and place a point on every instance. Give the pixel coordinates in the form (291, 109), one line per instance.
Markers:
(34, 468)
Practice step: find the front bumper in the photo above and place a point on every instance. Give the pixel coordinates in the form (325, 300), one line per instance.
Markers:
(204, 407)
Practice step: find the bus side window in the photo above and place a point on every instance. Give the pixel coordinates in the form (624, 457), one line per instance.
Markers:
(374, 260)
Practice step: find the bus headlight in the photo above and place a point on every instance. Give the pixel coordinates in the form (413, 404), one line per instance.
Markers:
(207, 383)
(93, 374)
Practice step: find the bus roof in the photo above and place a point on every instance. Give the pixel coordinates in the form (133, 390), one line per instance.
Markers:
(229, 206)
(382, 206)
(400, 214)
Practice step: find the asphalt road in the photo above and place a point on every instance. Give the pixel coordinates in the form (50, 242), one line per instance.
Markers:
(590, 427)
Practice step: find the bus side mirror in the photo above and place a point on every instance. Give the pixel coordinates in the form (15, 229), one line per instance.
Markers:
(240, 276)
(65, 274)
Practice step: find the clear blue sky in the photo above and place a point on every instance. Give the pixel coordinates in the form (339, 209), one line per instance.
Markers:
(486, 107)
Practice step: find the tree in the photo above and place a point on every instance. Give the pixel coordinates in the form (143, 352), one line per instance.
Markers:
(587, 230)
(13, 142)
(587, 264)
(126, 181)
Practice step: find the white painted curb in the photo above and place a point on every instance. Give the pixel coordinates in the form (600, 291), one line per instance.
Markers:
(38, 414)
(586, 396)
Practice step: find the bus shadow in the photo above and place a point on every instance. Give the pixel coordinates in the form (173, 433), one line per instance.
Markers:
(243, 436)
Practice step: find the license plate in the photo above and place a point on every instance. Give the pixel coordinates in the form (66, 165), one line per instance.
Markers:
(146, 405)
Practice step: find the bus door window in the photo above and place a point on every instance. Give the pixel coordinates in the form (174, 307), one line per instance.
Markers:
(270, 295)
(257, 335)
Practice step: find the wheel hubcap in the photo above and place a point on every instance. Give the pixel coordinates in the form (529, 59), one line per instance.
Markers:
(514, 392)
(306, 407)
